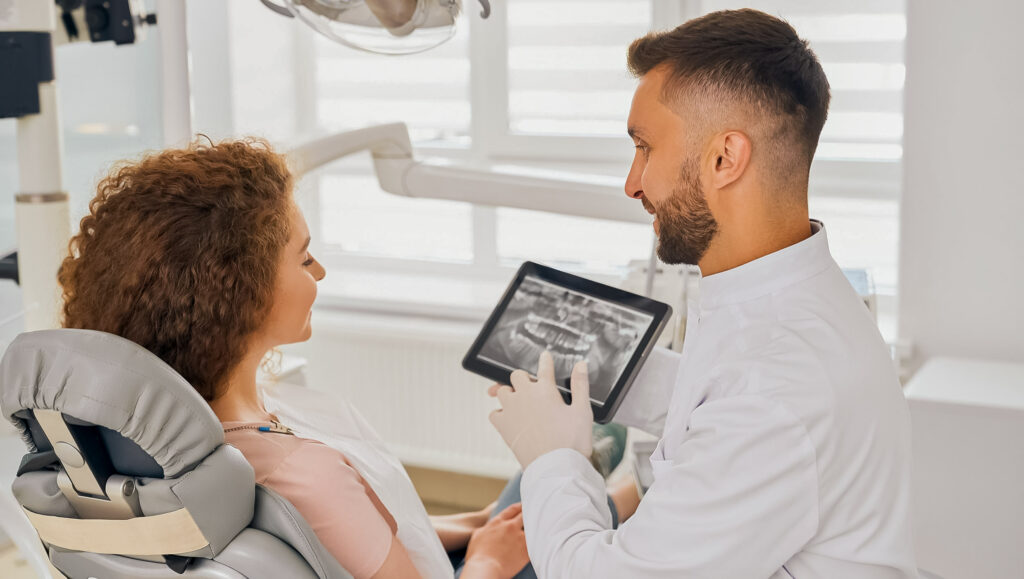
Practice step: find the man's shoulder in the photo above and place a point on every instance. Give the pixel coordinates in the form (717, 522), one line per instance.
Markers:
(800, 358)
(806, 334)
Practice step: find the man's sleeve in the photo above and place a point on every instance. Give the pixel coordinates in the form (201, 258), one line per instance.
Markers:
(646, 403)
(738, 499)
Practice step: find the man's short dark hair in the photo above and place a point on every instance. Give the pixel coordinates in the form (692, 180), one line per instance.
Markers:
(747, 56)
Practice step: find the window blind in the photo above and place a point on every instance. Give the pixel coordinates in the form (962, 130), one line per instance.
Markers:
(428, 91)
(567, 65)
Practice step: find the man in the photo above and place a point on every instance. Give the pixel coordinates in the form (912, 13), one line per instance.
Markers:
(785, 447)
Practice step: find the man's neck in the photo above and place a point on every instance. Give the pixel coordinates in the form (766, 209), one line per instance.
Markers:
(751, 242)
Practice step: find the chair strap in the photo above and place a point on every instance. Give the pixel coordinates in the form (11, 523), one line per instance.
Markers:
(173, 532)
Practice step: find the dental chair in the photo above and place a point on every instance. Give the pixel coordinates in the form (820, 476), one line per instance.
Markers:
(127, 474)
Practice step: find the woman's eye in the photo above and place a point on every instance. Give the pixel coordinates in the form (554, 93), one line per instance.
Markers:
(309, 261)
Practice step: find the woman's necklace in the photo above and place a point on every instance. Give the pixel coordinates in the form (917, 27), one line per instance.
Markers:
(276, 427)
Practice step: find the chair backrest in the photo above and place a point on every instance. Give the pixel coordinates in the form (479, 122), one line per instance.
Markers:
(127, 473)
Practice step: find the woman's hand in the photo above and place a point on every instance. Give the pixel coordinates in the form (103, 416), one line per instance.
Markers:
(486, 512)
(455, 530)
(497, 550)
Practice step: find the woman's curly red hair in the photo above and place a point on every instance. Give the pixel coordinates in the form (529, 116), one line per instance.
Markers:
(179, 254)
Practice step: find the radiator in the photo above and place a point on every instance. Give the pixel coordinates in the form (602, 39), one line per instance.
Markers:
(404, 374)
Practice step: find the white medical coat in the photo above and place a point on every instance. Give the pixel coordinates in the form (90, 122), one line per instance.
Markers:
(784, 451)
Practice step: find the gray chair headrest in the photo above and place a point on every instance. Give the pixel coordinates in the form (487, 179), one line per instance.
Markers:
(112, 382)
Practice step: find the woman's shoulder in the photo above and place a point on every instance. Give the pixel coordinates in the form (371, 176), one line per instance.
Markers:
(337, 503)
(267, 451)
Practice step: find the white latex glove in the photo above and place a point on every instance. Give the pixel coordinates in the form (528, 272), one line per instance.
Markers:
(533, 418)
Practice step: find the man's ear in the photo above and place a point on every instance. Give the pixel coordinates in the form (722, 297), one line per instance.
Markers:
(730, 156)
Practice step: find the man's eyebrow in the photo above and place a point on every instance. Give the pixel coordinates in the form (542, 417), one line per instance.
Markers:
(635, 132)
(305, 245)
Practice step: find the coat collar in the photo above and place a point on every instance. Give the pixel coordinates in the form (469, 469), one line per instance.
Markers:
(768, 274)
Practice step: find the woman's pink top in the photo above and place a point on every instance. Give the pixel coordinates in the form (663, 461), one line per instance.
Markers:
(319, 482)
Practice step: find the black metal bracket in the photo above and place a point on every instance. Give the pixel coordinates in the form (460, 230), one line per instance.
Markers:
(26, 61)
(9, 267)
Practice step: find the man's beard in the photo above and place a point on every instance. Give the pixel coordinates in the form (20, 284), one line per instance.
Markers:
(686, 224)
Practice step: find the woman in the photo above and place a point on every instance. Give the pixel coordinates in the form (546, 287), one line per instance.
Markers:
(202, 256)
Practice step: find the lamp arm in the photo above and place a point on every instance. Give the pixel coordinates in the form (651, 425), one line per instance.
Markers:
(573, 194)
(390, 141)
(581, 195)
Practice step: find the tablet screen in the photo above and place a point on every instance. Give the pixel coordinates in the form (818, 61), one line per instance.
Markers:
(573, 326)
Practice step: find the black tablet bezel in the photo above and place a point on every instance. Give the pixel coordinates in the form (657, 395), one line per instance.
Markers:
(603, 413)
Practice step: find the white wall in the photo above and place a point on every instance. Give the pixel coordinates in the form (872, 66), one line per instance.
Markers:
(265, 81)
(962, 244)
(210, 50)
(403, 374)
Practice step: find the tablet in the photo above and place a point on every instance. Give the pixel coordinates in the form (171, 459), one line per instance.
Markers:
(575, 319)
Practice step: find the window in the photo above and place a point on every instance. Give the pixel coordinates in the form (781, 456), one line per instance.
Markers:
(567, 65)
(430, 92)
(568, 94)
(482, 96)
(544, 83)
(377, 223)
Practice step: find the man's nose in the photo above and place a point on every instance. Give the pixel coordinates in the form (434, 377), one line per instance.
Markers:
(632, 187)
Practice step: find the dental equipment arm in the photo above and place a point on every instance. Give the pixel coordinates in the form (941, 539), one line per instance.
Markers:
(400, 173)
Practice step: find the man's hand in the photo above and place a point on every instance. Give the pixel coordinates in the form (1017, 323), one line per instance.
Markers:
(533, 418)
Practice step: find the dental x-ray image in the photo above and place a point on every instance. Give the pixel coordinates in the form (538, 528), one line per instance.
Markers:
(572, 326)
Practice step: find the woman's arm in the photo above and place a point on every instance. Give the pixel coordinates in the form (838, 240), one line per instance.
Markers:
(343, 511)
(398, 564)
(455, 530)
(626, 498)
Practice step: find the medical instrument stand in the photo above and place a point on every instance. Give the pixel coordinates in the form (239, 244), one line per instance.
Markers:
(41, 203)
(28, 35)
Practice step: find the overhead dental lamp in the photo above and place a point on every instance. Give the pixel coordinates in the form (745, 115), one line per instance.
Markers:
(380, 26)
